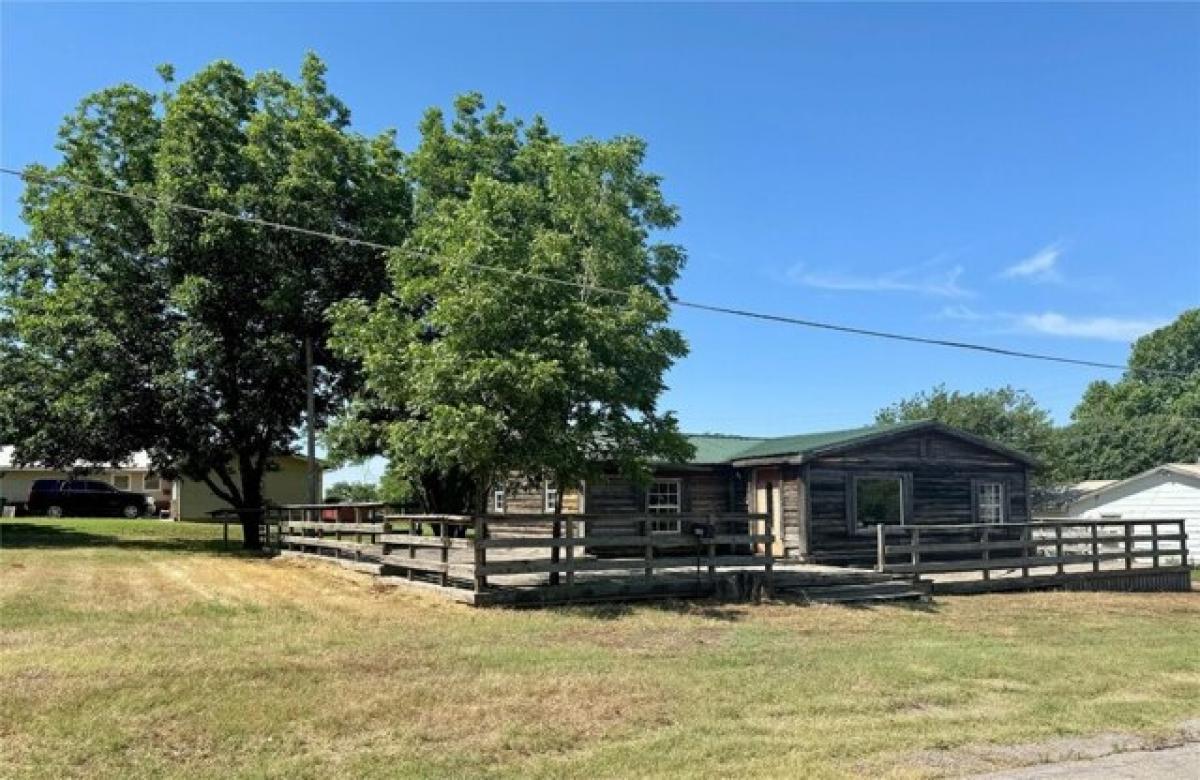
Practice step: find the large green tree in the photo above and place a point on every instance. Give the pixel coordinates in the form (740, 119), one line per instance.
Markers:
(1148, 417)
(352, 492)
(551, 367)
(1004, 414)
(130, 325)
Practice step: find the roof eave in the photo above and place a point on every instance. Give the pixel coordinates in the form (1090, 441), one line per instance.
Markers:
(1164, 468)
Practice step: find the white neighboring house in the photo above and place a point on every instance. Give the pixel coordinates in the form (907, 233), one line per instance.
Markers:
(181, 499)
(1167, 492)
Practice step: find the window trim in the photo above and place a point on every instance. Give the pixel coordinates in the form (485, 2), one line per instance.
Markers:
(906, 499)
(499, 501)
(674, 525)
(548, 505)
(976, 507)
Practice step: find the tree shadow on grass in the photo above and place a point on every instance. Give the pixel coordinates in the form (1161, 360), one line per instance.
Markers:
(729, 612)
(46, 536)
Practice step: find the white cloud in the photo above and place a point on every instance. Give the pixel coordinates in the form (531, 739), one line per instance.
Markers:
(1042, 266)
(958, 311)
(1050, 323)
(920, 280)
(1101, 328)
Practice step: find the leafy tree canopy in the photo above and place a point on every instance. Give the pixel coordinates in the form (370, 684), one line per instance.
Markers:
(352, 492)
(1005, 415)
(138, 326)
(1145, 418)
(472, 375)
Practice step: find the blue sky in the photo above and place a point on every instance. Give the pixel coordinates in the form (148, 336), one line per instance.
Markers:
(1017, 175)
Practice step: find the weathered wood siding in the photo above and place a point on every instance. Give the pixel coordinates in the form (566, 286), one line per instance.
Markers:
(791, 496)
(709, 490)
(939, 473)
(531, 500)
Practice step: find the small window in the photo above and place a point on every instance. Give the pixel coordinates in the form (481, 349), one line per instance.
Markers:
(121, 481)
(663, 498)
(151, 481)
(498, 500)
(878, 501)
(989, 502)
(551, 494)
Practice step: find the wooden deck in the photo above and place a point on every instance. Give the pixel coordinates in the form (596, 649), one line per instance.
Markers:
(536, 560)
(1068, 554)
(542, 560)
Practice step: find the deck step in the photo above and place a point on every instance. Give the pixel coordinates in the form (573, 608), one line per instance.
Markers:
(859, 593)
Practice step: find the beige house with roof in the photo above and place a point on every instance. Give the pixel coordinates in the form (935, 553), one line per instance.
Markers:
(178, 499)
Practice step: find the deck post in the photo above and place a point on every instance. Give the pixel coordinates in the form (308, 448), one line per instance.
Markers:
(769, 572)
(1095, 546)
(985, 534)
(480, 553)
(1154, 544)
(916, 553)
(649, 540)
(555, 533)
(1128, 545)
(1058, 547)
(569, 530)
(1026, 538)
(445, 576)
(1183, 548)
(880, 549)
(712, 549)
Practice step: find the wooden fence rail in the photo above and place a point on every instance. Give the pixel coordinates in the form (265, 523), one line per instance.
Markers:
(490, 555)
(1041, 549)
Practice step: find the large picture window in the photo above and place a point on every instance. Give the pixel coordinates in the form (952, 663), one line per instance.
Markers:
(664, 497)
(989, 502)
(878, 500)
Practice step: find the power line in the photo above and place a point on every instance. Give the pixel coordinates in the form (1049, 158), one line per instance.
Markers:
(711, 308)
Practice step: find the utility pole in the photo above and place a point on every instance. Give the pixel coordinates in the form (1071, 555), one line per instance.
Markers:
(311, 422)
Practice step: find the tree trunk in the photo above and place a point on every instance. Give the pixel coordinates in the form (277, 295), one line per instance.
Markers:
(251, 511)
(252, 528)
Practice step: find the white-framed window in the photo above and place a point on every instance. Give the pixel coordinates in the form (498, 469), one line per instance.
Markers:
(122, 481)
(989, 502)
(550, 494)
(151, 481)
(878, 500)
(664, 497)
(498, 500)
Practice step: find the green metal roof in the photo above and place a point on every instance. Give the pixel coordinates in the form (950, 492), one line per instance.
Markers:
(811, 442)
(717, 448)
(713, 448)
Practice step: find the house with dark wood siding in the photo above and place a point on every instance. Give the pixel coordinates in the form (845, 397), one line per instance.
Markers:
(825, 493)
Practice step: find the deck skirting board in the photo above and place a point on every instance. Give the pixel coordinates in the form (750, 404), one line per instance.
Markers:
(1175, 580)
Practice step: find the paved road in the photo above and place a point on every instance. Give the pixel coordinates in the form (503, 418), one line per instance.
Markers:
(1181, 763)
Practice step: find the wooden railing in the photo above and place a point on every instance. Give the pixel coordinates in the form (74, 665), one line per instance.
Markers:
(1047, 547)
(483, 553)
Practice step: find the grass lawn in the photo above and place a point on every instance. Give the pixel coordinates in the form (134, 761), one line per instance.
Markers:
(140, 648)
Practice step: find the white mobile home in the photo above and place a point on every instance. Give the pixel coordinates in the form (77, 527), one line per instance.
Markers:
(1167, 492)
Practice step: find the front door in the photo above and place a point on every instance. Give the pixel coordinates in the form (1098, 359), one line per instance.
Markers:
(767, 501)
